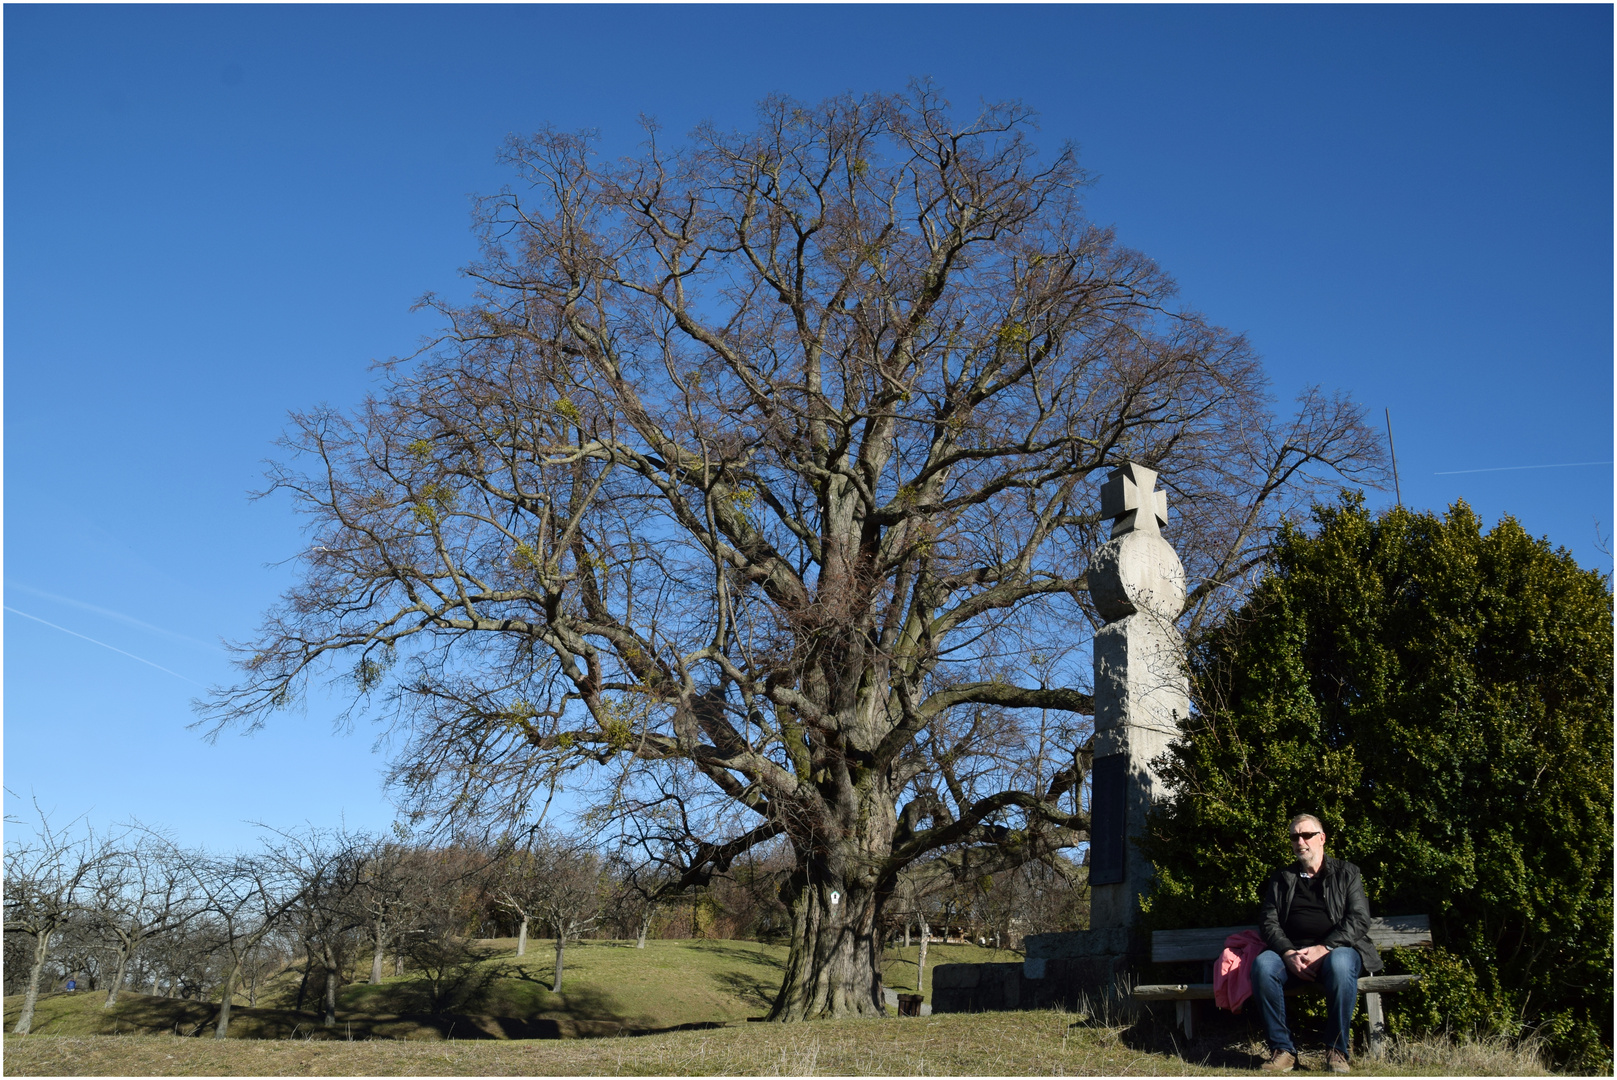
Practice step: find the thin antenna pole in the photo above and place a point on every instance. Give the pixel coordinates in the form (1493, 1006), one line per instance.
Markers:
(1391, 450)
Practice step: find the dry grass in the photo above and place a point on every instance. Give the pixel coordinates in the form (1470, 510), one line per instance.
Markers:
(614, 994)
(1000, 1044)
(1470, 1057)
(1043, 1043)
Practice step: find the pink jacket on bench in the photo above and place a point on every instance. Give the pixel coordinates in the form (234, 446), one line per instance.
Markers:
(1232, 971)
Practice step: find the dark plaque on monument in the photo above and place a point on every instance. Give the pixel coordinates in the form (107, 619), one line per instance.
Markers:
(1107, 795)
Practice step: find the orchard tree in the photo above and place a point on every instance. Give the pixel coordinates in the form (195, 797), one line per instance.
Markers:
(145, 892)
(49, 885)
(383, 894)
(772, 460)
(329, 915)
(1441, 697)
(243, 899)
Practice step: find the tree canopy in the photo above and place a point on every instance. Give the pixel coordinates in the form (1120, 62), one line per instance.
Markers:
(1441, 697)
(761, 470)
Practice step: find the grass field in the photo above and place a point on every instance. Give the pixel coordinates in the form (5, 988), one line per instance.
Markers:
(607, 987)
(674, 1008)
(984, 1044)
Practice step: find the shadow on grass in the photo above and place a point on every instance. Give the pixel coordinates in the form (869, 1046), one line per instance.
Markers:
(1222, 1041)
(583, 1013)
(751, 989)
(746, 956)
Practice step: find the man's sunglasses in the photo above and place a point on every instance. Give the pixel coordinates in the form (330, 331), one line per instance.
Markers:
(1304, 835)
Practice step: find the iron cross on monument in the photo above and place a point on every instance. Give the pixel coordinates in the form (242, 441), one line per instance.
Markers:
(1141, 693)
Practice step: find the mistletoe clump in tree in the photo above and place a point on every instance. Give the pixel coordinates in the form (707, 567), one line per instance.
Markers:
(768, 465)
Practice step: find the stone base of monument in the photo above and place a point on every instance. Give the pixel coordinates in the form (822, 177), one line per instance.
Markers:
(1082, 972)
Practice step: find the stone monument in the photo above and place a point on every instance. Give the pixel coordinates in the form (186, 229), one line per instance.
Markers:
(1141, 692)
(1141, 696)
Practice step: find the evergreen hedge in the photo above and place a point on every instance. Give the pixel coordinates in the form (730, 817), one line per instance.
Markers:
(1442, 698)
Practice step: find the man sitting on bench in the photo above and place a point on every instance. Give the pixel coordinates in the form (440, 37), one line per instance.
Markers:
(1316, 923)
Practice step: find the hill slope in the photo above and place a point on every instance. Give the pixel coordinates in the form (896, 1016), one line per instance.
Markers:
(607, 988)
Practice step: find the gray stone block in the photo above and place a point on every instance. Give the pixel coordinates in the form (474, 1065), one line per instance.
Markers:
(956, 975)
(1112, 941)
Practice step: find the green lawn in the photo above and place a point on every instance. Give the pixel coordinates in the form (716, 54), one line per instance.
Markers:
(607, 987)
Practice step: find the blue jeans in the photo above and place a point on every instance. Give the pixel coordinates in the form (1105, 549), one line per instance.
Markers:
(1338, 975)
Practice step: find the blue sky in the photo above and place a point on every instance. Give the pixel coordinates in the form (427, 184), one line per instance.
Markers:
(216, 215)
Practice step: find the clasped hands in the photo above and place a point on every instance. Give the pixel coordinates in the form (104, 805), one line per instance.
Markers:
(1304, 963)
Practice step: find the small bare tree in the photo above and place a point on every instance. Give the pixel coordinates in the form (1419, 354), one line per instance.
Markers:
(48, 881)
(247, 897)
(383, 889)
(328, 914)
(143, 893)
(636, 892)
(519, 887)
(446, 890)
(569, 896)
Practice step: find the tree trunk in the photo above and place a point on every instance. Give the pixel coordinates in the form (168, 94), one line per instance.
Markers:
(522, 937)
(561, 941)
(376, 957)
(36, 971)
(331, 998)
(834, 968)
(330, 960)
(906, 933)
(221, 1026)
(118, 980)
(645, 924)
(920, 963)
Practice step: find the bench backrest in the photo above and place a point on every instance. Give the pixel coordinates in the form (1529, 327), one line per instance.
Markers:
(1169, 946)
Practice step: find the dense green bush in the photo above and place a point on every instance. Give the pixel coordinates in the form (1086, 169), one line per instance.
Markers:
(1442, 698)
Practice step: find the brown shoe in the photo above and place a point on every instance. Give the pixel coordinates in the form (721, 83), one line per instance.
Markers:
(1336, 1061)
(1280, 1061)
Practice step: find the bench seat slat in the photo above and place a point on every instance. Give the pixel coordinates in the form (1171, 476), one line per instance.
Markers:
(1368, 984)
(1172, 946)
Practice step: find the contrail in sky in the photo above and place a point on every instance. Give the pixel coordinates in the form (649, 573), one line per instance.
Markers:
(104, 645)
(111, 614)
(1513, 468)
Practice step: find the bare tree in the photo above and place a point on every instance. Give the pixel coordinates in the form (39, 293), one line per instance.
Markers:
(247, 897)
(632, 897)
(328, 871)
(445, 894)
(656, 845)
(518, 886)
(141, 894)
(770, 460)
(48, 879)
(569, 900)
(383, 888)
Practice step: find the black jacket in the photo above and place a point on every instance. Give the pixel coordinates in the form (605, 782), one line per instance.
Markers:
(1349, 911)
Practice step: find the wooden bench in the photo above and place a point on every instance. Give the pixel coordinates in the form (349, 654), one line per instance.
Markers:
(1178, 946)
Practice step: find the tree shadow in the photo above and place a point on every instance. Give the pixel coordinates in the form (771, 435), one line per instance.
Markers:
(517, 970)
(733, 952)
(752, 990)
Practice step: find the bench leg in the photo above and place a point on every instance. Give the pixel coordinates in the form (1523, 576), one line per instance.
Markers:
(1183, 1012)
(1378, 1024)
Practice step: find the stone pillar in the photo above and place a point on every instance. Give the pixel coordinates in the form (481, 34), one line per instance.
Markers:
(1141, 692)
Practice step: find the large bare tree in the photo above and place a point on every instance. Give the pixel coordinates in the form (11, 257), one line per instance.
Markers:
(772, 460)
